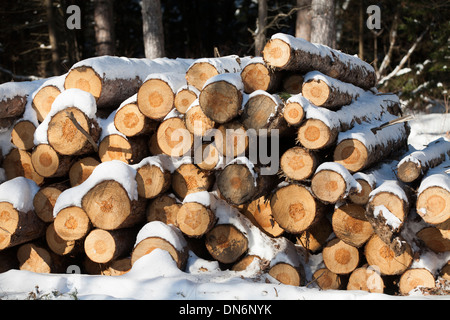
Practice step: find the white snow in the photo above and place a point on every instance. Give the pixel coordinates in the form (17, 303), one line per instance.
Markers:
(19, 192)
(391, 219)
(173, 79)
(390, 186)
(351, 182)
(338, 85)
(226, 64)
(164, 231)
(232, 78)
(10, 90)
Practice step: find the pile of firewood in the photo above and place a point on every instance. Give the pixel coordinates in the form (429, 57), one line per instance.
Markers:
(120, 156)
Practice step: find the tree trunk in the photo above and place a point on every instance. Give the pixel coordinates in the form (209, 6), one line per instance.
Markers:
(52, 34)
(152, 29)
(322, 22)
(260, 34)
(104, 28)
(303, 22)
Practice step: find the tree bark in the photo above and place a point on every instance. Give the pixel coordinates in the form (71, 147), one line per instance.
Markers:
(104, 28)
(322, 22)
(53, 37)
(260, 34)
(303, 22)
(152, 29)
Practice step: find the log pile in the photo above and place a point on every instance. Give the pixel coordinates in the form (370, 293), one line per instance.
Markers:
(249, 161)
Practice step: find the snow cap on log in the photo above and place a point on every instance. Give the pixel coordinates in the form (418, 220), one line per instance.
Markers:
(19, 192)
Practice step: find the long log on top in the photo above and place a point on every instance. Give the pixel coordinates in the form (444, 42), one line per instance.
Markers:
(286, 52)
(111, 80)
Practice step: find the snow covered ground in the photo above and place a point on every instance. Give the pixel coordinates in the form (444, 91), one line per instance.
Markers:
(156, 276)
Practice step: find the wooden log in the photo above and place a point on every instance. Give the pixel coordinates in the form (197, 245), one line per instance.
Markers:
(332, 182)
(327, 92)
(111, 80)
(259, 213)
(207, 157)
(413, 166)
(34, 258)
(245, 262)
(315, 237)
(188, 178)
(117, 147)
(45, 199)
(292, 82)
(203, 69)
(184, 97)
(60, 246)
(295, 208)
(298, 163)
(221, 97)
(445, 272)
(72, 223)
(263, 111)
(43, 97)
(241, 182)
(14, 97)
(22, 135)
(340, 257)
(195, 219)
(18, 221)
(359, 148)
(81, 170)
(293, 111)
(321, 127)
(226, 243)
(48, 163)
(414, 278)
(286, 274)
(366, 279)
(103, 246)
(381, 256)
(173, 138)
(286, 52)
(256, 75)
(156, 96)
(118, 267)
(163, 208)
(151, 177)
(130, 121)
(158, 235)
(17, 163)
(109, 206)
(231, 139)
(351, 225)
(153, 146)
(196, 121)
(327, 280)
(433, 238)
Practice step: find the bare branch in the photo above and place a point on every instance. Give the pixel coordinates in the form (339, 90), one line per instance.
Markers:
(80, 128)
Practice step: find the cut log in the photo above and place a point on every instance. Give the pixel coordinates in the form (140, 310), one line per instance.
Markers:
(221, 97)
(359, 148)
(184, 98)
(109, 206)
(111, 80)
(256, 75)
(366, 279)
(327, 280)
(130, 121)
(207, 157)
(414, 278)
(245, 262)
(173, 138)
(103, 246)
(327, 92)
(434, 239)
(292, 83)
(48, 163)
(14, 96)
(45, 199)
(156, 96)
(196, 121)
(205, 68)
(351, 225)
(286, 274)
(194, 219)
(241, 182)
(322, 126)
(118, 267)
(286, 52)
(231, 139)
(129, 150)
(22, 135)
(380, 255)
(226, 243)
(17, 163)
(315, 237)
(152, 179)
(295, 208)
(153, 146)
(81, 170)
(188, 178)
(158, 235)
(44, 96)
(413, 166)
(72, 223)
(294, 108)
(445, 272)
(163, 208)
(263, 111)
(298, 163)
(340, 257)
(259, 213)
(60, 246)
(34, 258)
(332, 182)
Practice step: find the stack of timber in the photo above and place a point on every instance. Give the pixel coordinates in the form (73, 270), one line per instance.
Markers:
(292, 165)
